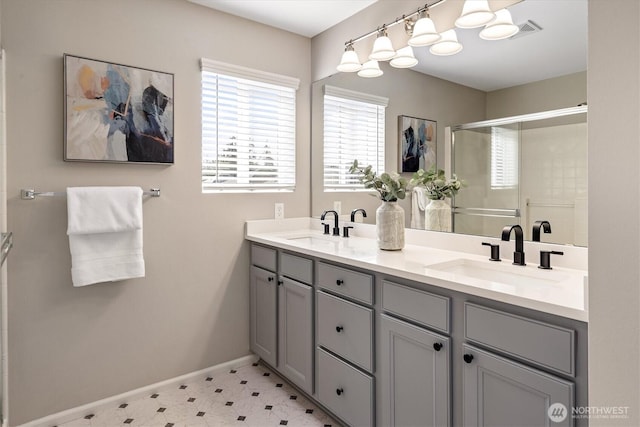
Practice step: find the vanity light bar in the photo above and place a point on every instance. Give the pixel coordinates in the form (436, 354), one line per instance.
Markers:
(397, 21)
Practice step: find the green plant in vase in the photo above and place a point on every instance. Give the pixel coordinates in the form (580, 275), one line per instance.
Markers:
(436, 185)
(389, 215)
(390, 187)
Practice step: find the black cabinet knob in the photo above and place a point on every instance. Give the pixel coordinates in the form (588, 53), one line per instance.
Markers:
(339, 391)
(270, 278)
(280, 282)
(339, 329)
(468, 358)
(339, 282)
(437, 346)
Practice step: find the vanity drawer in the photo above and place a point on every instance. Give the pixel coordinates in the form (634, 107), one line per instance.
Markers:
(297, 268)
(345, 390)
(534, 341)
(346, 329)
(350, 283)
(419, 306)
(263, 257)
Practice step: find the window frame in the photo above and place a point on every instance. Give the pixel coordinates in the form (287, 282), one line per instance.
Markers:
(286, 148)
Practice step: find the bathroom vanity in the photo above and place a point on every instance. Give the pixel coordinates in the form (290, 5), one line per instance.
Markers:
(423, 336)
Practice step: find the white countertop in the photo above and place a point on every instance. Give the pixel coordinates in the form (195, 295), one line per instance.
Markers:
(561, 291)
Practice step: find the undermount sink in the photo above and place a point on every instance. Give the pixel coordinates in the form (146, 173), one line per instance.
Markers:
(314, 239)
(503, 273)
(334, 244)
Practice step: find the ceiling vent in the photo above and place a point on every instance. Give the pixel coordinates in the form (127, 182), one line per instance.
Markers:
(527, 29)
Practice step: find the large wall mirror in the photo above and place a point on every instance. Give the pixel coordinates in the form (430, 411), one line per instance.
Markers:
(451, 98)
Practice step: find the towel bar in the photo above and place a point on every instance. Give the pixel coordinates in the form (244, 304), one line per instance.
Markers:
(30, 193)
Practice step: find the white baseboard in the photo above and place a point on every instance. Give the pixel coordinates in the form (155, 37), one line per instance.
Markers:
(109, 402)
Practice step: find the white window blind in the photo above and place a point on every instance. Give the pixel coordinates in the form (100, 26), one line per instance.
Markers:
(504, 158)
(248, 129)
(353, 130)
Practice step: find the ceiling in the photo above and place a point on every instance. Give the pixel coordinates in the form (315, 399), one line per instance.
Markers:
(560, 48)
(305, 17)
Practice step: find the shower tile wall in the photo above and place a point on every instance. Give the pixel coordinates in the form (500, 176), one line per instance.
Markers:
(554, 172)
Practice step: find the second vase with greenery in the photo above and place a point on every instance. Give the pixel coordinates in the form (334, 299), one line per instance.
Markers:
(437, 214)
(389, 215)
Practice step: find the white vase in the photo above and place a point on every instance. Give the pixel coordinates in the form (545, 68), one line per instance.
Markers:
(437, 216)
(390, 226)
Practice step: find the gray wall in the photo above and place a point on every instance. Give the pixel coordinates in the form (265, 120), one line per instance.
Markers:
(551, 94)
(70, 346)
(614, 227)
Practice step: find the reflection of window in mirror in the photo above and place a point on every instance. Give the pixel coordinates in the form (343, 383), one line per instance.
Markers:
(504, 158)
(354, 127)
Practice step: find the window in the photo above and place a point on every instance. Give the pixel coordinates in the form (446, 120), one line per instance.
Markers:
(504, 158)
(248, 129)
(353, 130)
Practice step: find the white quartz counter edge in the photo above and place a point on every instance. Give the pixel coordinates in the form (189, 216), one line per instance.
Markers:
(567, 298)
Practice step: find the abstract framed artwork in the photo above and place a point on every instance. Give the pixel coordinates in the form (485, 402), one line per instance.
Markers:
(117, 113)
(417, 143)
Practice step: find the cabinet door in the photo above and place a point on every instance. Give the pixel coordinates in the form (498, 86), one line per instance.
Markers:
(295, 356)
(414, 374)
(500, 392)
(263, 314)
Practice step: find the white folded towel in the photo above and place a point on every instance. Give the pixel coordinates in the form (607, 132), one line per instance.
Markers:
(418, 204)
(105, 234)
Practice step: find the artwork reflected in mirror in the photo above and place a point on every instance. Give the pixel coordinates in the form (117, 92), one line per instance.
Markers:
(417, 140)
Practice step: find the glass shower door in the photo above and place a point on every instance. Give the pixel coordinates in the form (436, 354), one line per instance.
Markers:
(487, 159)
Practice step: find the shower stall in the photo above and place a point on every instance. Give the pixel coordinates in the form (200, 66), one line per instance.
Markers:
(521, 169)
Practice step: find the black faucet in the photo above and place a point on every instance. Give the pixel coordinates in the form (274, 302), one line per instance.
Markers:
(345, 229)
(545, 225)
(545, 259)
(336, 229)
(355, 211)
(518, 255)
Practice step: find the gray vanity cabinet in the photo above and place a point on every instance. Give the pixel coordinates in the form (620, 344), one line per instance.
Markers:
(295, 328)
(377, 350)
(414, 371)
(281, 330)
(263, 314)
(500, 392)
(345, 343)
(513, 382)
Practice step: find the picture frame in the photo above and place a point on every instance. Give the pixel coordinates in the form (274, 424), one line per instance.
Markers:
(117, 113)
(417, 144)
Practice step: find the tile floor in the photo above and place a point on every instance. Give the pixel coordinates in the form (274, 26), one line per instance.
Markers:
(248, 396)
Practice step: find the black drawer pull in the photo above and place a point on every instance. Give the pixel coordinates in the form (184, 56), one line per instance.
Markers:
(280, 282)
(339, 391)
(339, 282)
(339, 329)
(437, 346)
(270, 278)
(468, 358)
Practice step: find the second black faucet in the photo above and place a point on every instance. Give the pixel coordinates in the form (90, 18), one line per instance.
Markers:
(518, 255)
